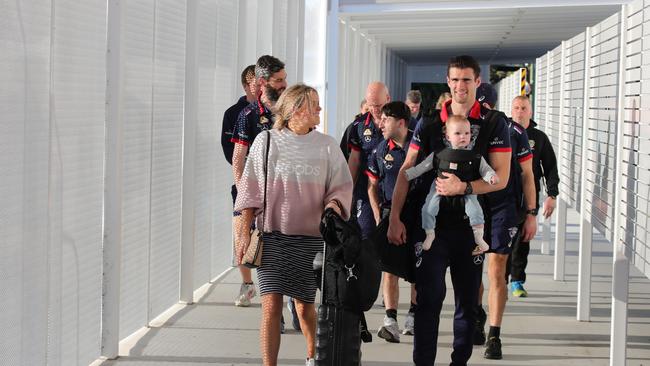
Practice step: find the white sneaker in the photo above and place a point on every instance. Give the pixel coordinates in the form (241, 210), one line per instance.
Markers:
(310, 362)
(390, 330)
(246, 294)
(409, 324)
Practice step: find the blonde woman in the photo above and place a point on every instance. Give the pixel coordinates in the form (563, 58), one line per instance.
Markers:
(445, 96)
(307, 173)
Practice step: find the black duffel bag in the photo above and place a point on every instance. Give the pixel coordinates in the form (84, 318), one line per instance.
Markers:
(352, 272)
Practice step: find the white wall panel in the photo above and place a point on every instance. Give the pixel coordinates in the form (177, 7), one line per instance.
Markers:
(507, 89)
(634, 203)
(24, 155)
(601, 125)
(213, 238)
(77, 147)
(552, 125)
(541, 90)
(137, 115)
(166, 154)
(571, 134)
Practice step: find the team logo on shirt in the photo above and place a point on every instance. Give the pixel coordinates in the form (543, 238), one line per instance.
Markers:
(388, 161)
(264, 120)
(531, 143)
(367, 135)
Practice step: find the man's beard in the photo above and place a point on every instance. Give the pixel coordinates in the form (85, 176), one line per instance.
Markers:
(272, 94)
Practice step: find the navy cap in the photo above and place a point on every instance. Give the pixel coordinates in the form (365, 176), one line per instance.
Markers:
(486, 93)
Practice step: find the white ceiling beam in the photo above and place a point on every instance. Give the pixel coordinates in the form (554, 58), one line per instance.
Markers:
(468, 5)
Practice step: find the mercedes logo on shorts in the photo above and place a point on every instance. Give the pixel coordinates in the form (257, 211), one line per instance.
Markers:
(478, 259)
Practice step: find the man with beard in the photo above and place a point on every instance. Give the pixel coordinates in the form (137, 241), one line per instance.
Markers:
(253, 119)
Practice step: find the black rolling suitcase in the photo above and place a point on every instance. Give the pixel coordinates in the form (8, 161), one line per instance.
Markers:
(349, 277)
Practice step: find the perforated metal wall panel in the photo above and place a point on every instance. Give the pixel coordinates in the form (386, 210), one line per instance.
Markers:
(137, 113)
(24, 154)
(77, 179)
(571, 134)
(635, 198)
(166, 154)
(214, 209)
(601, 125)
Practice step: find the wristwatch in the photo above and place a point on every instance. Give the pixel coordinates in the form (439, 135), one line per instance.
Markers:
(468, 188)
(532, 211)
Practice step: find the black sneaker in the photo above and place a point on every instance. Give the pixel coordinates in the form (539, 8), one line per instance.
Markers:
(493, 349)
(479, 327)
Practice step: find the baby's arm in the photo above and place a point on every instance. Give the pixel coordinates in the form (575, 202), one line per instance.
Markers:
(488, 174)
(416, 171)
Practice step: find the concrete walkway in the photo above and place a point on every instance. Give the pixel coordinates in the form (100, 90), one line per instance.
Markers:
(539, 330)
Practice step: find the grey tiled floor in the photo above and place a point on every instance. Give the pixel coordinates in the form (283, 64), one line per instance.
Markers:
(539, 330)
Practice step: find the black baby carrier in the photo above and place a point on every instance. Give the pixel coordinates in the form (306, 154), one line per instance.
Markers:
(349, 278)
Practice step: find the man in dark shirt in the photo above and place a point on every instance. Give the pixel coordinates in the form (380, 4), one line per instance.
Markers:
(454, 240)
(508, 225)
(383, 168)
(231, 114)
(252, 120)
(544, 166)
(364, 136)
(414, 102)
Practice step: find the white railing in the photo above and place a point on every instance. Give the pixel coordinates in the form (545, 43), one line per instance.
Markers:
(591, 101)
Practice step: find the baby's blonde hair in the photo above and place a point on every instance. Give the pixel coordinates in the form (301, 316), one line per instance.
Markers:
(456, 119)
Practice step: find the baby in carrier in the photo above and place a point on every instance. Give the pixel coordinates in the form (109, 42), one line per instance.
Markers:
(460, 160)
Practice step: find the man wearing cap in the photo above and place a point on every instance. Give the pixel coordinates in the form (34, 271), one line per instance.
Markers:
(520, 191)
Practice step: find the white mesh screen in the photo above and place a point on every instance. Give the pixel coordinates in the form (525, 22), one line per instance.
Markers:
(24, 154)
(137, 84)
(77, 150)
(166, 154)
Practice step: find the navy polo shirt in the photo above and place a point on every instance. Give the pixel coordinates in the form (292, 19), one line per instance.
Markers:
(519, 141)
(384, 165)
(364, 137)
(499, 141)
(252, 120)
(230, 117)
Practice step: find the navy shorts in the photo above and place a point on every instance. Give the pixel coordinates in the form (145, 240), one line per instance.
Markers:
(504, 230)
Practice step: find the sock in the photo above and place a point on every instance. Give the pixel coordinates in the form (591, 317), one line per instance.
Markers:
(495, 332)
(413, 308)
(478, 238)
(391, 313)
(428, 240)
